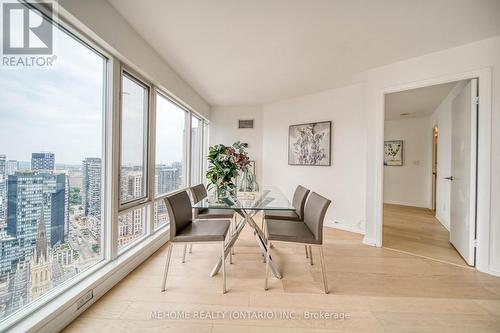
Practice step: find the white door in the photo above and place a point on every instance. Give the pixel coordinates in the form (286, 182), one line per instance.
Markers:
(463, 171)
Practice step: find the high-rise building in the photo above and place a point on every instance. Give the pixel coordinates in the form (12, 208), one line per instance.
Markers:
(135, 184)
(43, 161)
(91, 184)
(130, 185)
(59, 227)
(3, 161)
(3, 186)
(131, 225)
(11, 166)
(168, 179)
(28, 194)
(9, 250)
(24, 202)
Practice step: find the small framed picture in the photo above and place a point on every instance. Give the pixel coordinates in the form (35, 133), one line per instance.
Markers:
(393, 153)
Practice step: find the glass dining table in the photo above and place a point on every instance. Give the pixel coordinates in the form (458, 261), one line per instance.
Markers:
(246, 205)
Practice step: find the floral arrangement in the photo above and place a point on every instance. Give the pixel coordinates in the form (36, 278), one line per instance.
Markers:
(224, 164)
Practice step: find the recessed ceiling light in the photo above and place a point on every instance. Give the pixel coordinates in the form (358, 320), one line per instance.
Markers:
(404, 114)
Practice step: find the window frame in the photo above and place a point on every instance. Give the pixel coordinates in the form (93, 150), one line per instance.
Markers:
(200, 139)
(142, 202)
(187, 134)
(107, 131)
(206, 145)
(131, 75)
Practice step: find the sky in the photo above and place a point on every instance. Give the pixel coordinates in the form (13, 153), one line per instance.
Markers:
(59, 109)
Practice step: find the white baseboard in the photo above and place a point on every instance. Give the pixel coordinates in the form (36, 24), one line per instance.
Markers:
(369, 241)
(493, 272)
(345, 227)
(443, 222)
(409, 204)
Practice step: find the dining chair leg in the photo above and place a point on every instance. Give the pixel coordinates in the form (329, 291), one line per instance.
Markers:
(167, 263)
(311, 255)
(323, 268)
(307, 251)
(184, 254)
(223, 269)
(268, 255)
(190, 248)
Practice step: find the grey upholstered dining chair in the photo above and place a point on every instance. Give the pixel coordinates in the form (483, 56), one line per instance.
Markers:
(184, 230)
(308, 233)
(199, 193)
(298, 202)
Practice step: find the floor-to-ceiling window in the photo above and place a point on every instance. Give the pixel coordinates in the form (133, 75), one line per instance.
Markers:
(134, 113)
(88, 151)
(170, 156)
(196, 149)
(51, 195)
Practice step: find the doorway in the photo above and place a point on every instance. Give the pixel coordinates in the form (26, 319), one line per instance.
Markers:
(429, 190)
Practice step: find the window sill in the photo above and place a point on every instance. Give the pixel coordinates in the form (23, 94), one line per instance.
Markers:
(60, 311)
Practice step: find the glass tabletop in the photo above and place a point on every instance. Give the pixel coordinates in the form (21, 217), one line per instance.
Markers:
(268, 198)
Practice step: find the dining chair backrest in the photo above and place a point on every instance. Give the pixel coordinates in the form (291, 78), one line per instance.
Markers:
(314, 214)
(299, 200)
(179, 212)
(199, 193)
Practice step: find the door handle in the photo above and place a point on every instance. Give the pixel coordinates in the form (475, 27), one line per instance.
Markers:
(449, 178)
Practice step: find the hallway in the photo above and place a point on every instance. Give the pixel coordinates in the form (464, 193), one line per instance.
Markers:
(416, 231)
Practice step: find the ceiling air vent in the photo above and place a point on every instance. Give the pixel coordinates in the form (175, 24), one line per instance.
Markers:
(245, 123)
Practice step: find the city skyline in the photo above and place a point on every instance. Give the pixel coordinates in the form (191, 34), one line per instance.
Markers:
(51, 230)
(42, 236)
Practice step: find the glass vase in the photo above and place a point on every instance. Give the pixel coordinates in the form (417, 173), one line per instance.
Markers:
(220, 194)
(247, 182)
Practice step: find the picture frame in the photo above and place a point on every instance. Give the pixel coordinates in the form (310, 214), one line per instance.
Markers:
(393, 153)
(309, 144)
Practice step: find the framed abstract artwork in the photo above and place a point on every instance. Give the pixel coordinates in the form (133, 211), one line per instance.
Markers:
(310, 144)
(393, 153)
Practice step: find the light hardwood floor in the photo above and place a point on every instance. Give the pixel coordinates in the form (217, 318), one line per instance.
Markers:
(416, 231)
(381, 291)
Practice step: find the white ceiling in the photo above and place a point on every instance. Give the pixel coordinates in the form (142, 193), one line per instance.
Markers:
(239, 52)
(417, 102)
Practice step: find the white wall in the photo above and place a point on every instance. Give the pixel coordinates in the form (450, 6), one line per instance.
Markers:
(102, 23)
(344, 181)
(411, 183)
(224, 129)
(441, 118)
